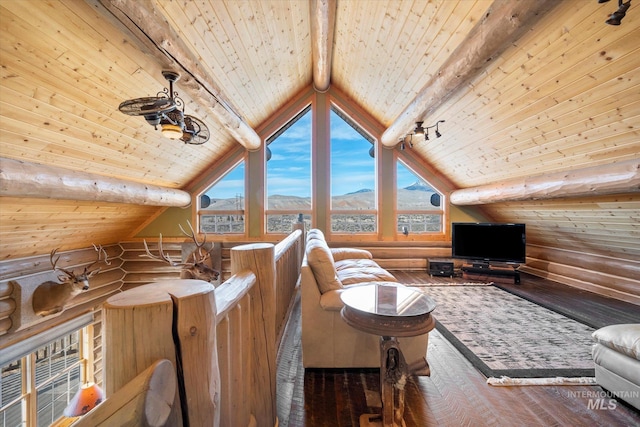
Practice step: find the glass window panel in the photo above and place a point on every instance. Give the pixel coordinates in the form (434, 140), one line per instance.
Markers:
(419, 223)
(229, 223)
(413, 192)
(353, 223)
(284, 223)
(10, 395)
(222, 205)
(11, 415)
(228, 192)
(288, 167)
(418, 204)
(353, 168)
(353, 177)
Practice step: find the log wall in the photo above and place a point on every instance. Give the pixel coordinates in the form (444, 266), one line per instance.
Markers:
(614, 277)
(20, 277)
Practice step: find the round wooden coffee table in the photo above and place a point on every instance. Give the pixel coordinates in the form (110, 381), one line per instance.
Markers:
(390, 310)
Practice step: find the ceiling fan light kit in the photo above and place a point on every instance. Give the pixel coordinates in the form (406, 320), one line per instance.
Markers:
(167, 110)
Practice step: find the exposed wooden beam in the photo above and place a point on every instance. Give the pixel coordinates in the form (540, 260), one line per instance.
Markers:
(504, 22)
(148, 25)
(614, 178)
(323, 20)
(24, 179)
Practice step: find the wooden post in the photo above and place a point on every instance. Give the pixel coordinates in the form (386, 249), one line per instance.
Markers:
(140, 325)
(259, 258)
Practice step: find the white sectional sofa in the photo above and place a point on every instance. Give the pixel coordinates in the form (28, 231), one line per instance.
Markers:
(616, 355)
(327, 341)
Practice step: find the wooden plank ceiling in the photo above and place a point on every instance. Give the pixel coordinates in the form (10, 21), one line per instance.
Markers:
(564, 96)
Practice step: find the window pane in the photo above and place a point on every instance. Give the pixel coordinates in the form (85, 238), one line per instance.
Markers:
(353, 177)
(353, 169)
(288, 168)
(418, 203)
(228, 192)
(284, 223)
(222, 205)
(10, 393)
(414, 193)
(222, 223)
(55, 396)
(353, 223)
(419, 223)
(56, 357)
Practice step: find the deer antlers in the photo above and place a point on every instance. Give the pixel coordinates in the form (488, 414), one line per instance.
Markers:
(199, 246)
(196, 269)
(87, 273)
(166, 258)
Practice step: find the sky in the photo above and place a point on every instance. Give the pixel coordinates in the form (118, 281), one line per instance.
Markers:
(289, 169)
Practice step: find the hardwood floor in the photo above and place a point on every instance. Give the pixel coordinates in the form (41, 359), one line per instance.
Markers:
(455, 394)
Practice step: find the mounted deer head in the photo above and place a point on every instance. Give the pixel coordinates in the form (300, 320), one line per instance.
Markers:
(196, 266)
(51, 297)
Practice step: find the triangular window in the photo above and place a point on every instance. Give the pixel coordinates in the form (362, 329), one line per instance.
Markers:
(418, 204)
(222, 206)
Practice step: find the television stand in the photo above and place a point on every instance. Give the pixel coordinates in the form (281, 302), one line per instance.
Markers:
(490, 273)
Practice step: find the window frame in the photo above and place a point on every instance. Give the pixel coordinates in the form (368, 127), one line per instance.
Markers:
(31, 384)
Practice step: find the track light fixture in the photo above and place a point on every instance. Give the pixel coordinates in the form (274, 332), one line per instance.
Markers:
(616, 17)
(167, 110)
(420, 130)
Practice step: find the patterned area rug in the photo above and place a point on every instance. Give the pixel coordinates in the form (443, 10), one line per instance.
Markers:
(503, 335)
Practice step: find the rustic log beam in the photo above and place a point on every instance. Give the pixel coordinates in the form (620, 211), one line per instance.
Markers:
(24, 179)
(613, 178)
(504, 22)
(323, 19)
(147, 24)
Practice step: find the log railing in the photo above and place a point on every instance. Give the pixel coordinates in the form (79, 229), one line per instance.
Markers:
(288, 257)
(227, 374)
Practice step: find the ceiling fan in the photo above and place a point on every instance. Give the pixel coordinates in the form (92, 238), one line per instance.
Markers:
(167, 110)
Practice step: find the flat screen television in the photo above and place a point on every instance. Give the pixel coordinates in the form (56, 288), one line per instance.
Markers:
(489, 242)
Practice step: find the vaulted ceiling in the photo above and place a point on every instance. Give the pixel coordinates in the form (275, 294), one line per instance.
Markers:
(546, 90)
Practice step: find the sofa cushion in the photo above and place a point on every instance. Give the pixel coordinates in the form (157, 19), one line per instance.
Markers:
(321, 262)
(350, 276)
(355, 263)
(340, 254)
(623, 338)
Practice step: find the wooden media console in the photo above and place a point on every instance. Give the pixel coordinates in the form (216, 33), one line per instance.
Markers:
(490, 273)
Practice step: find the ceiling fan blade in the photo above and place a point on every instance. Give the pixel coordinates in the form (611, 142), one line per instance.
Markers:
(147, 106)
(195, 131)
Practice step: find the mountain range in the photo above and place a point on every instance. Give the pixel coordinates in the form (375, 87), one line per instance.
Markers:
(361, 199)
